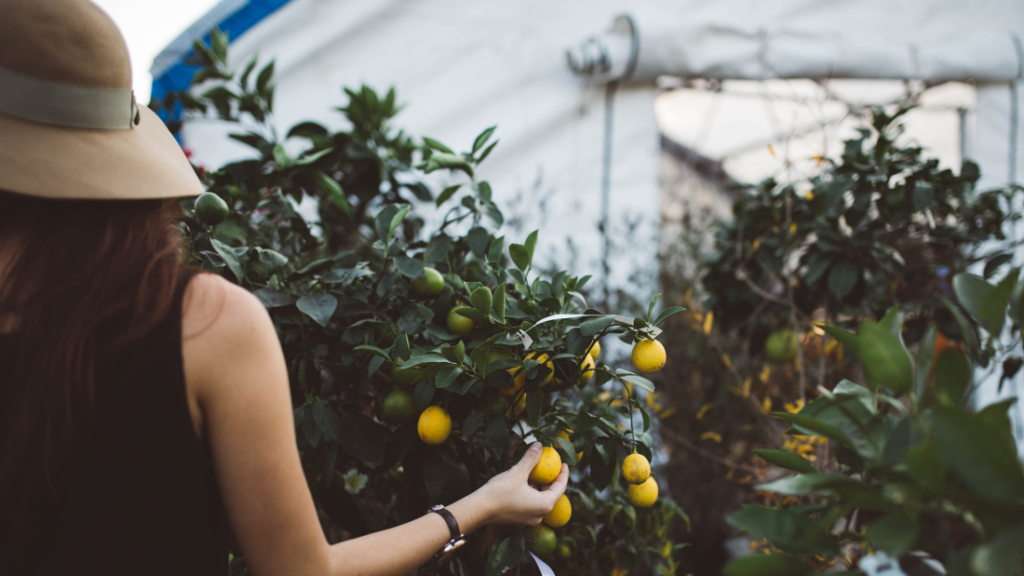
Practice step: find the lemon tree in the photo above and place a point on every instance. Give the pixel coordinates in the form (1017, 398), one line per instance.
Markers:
(422, 360)
(828, 359)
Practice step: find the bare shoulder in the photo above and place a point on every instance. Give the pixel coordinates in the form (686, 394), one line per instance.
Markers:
(224, 328)
(214, 307)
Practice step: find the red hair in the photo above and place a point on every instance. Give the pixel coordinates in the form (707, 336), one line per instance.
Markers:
(87, 277)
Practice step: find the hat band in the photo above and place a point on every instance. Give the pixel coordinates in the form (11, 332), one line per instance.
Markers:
(66, 105)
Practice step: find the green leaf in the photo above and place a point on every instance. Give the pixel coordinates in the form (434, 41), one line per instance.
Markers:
(425, 360)
(499, 302)
(520, 256)
(263, 80)
(483, 301)
(443, 160)
(496, 249)
(791, 530)
(505, 554)
(1001, 556)
(437, 145)
(487, 152)
(894, 533)
(596, 325)
(326, 419)
(787, 460)
(373, 350)
(332, 190)
(472, 423)
(993, 308)
(635, 379)
(273, 298)
(971, 290)
(990, 469)
(402, 348)
(423, 394)
(382, 224)
(843, 278)
(849, 340)
(668, 313)
(817, 427)
(409, 267)
(446, 194)
(886, 360)
(925, 353)
(396, 220)
(496, 433)
(804, 484)
(482, 139)
(229, 257)
(446, 377)
(319, 307)
(565, 450)
(966, 329)
(652, 304)
(766, 565)
(952, 377)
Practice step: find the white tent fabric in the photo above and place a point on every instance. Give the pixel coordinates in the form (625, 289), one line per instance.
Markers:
(463, 65)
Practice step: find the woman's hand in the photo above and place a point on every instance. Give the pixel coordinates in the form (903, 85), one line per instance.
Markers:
(511, 498)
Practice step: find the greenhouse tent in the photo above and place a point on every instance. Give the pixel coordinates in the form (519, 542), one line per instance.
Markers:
(462, 65)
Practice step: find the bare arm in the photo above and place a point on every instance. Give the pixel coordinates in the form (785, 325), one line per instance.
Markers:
(236, 373)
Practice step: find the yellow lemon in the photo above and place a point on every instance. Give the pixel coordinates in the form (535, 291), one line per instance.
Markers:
(543, 360)
(636, 469)
(595, 350)
(435, 425)
(588, 370)
(560, 514)
(643, 495)
(563, 434)
(547, 468)
(518, 408)
(648, 356)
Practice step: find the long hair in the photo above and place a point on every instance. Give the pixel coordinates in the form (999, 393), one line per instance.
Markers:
(87, 278)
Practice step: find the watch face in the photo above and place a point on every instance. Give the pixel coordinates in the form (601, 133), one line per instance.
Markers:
(453, 546)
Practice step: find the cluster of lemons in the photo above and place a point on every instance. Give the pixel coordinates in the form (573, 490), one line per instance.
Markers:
(435, 424)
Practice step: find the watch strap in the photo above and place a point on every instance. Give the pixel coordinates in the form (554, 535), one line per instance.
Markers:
(453, 525)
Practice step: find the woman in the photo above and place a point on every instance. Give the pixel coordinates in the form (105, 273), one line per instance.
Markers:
(143, 406)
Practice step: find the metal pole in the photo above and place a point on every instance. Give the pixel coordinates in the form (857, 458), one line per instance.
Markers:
(606, 176)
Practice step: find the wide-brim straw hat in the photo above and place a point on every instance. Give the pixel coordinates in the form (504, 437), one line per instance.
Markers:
(69, 124)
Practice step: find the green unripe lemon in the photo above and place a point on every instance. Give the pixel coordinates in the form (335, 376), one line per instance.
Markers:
(459, 324)
(399, 406)
(211, 209)
(540, 540)
(781, 346)
(403, 377)
(431, 284)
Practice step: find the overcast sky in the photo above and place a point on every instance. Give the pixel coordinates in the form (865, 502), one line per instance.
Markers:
(148, 26)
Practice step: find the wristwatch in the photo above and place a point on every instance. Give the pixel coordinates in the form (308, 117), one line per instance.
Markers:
(458, 538)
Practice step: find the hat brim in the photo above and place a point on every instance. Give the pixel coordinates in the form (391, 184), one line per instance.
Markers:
(144, 162)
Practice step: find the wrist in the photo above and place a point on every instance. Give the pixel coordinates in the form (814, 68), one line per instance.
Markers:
(471, 512)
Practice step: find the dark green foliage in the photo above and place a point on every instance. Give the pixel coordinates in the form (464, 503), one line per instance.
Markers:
(338, 286)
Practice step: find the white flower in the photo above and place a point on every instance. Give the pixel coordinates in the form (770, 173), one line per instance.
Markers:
(354, 481)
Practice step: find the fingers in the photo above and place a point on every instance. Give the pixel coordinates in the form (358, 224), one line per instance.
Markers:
(555, 490)
(529, 460)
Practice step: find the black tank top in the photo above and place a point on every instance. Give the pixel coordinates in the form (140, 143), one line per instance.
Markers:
(141, 497)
